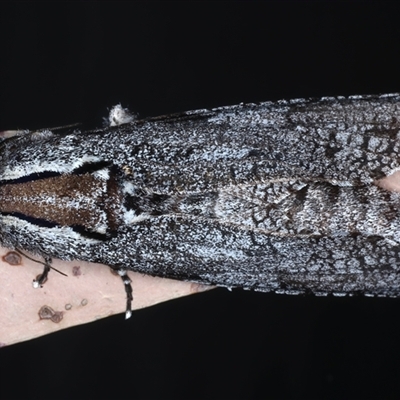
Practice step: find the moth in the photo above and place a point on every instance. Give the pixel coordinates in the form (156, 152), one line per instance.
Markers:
(276, 196)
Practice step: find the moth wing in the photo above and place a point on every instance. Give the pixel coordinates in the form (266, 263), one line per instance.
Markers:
(211, 252)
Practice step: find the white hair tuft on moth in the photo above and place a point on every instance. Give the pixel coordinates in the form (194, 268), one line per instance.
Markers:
(119, 116)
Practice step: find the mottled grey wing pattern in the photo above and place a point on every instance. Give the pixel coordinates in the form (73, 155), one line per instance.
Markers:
(209, 252)
(273, 196)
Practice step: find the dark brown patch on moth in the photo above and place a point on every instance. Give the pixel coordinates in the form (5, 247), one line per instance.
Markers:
(94, 194)
(12, 258)
(76, 270)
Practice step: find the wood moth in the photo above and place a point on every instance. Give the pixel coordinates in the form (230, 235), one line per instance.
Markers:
(276, 196)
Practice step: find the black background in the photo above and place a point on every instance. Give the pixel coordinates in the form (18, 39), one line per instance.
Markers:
(68, 62)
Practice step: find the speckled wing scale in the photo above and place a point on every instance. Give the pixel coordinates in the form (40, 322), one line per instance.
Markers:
(276, 196)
